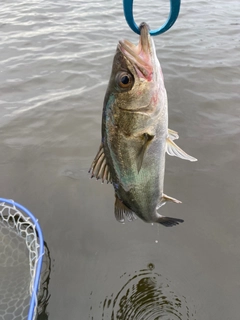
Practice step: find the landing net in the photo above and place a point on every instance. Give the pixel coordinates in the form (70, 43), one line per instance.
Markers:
(21, 255)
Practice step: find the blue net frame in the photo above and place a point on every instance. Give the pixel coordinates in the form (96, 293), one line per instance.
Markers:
(37, 274)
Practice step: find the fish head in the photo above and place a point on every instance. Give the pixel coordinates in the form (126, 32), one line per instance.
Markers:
(136, 80)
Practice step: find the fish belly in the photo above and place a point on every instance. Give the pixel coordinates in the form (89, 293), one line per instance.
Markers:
(141, 191)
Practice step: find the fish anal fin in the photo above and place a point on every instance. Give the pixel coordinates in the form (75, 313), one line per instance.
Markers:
(121, 211)
(173, 150)
(147, 138)
(99, 168)
(173, 135)
(166, 198)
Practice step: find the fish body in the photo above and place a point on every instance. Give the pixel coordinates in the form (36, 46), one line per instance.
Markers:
(135, 135)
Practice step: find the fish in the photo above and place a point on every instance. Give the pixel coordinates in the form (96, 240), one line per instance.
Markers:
(135, 136)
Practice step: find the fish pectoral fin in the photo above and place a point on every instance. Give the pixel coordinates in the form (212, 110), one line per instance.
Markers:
(99, 167)
(169, 222)
(166, 198)
(121, 211)
(174, 150)
(147, 138)
(173, 135)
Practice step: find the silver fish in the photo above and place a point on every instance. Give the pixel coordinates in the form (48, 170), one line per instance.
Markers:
(135, 134)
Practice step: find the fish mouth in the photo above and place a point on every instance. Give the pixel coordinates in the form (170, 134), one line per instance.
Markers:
(140, 55)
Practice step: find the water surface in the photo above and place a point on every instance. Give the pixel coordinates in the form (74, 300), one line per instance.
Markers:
(55, 61)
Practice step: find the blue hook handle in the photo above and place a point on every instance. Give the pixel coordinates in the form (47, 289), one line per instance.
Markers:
(174, 11)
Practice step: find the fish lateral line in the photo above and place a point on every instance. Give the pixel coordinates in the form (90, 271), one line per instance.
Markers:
(142, 110)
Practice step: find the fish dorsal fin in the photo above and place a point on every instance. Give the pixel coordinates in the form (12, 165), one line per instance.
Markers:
(173, 135)
(174, 150)
(166, 198)
(99, 167)
(147, 138)
(121, 211)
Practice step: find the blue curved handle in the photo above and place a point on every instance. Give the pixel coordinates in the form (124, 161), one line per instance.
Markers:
(174, 11)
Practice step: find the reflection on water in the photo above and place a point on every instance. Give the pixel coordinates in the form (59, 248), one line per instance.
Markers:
(146, 295)
(43, 292)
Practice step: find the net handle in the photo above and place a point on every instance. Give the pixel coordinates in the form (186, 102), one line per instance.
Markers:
(33, 300)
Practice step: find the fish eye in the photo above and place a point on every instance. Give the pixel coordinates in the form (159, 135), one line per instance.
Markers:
(124, 80)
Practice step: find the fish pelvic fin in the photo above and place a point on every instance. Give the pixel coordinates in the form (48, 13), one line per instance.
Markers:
(121, 211)
(165, 198)
(99, 168)
(173, 135)
(173, 150)
(168, 222)
(147, 138)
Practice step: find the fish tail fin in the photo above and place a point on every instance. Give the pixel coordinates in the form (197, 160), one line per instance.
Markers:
(168, 222)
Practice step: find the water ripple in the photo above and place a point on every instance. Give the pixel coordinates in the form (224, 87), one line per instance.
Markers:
(146, 295)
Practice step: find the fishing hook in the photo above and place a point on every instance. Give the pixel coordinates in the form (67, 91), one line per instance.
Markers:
(174, 11)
